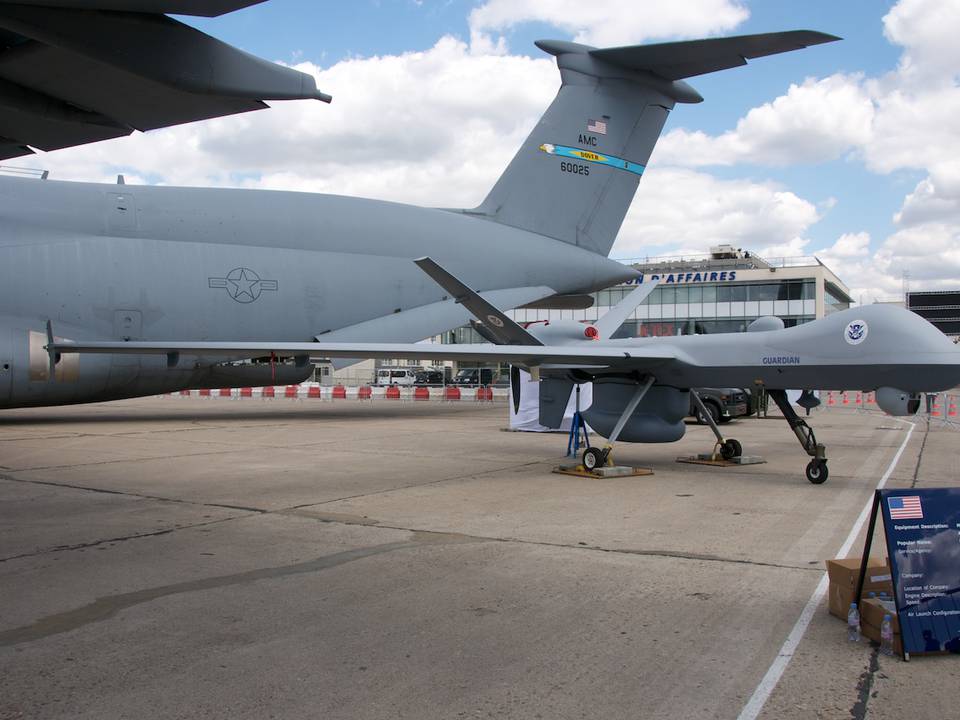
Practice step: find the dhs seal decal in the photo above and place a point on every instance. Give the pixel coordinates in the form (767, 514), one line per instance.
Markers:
(855, 332)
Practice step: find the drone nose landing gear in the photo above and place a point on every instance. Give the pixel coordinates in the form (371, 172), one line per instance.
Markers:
(816, 470)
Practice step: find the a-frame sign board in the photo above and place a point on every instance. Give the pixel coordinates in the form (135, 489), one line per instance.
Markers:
(922, 528)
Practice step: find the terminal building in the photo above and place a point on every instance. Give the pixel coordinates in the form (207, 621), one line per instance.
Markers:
(721, 292)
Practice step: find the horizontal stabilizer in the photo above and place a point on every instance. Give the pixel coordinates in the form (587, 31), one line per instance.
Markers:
(678, 60)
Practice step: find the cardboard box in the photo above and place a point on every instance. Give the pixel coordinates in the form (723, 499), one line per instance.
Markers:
(872, 612)
(844, 573)
(871, 617)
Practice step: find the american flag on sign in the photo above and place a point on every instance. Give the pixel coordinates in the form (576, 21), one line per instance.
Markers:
(906, 507)
(597, 126)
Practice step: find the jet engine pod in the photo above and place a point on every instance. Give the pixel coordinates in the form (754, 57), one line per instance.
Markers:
(658, 417)
(898, 402)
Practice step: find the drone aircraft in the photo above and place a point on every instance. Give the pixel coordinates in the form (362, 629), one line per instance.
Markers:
(642, 386)
(124, 263)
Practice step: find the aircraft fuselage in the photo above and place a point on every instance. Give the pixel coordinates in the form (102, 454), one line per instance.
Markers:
(142, 262)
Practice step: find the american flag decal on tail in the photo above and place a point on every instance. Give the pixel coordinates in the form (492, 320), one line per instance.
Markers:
(597, 126)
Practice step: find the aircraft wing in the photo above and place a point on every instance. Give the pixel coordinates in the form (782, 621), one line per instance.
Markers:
(78, 71)
(580, 355)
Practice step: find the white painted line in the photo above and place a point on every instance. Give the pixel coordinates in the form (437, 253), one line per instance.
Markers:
(763, 691)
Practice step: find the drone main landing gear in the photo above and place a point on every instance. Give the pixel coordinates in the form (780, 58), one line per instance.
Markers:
(594, 457)
(727, 448)
(816, 470)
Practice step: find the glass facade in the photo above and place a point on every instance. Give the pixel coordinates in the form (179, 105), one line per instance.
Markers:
(694, 297)
(710, 308)
(831, 303)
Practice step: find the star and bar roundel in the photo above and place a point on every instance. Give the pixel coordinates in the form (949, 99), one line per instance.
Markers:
(243, 284)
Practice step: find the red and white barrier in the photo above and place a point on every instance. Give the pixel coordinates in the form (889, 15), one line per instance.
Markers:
(315, 391)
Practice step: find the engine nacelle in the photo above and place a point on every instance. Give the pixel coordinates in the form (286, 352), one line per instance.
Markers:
(898, 402)
(658, 418)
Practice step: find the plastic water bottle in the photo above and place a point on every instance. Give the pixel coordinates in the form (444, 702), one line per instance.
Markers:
(886, 636)
(853, 623)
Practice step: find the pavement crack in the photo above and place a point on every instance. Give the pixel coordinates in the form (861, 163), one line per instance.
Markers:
(865, 685)
(120, 460)
(345, 519)
(124, 493)
(104, 608)
(114, 540)
(916, 468)
(452, 478)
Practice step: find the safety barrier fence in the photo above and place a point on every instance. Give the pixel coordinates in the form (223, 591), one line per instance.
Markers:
(315, 391)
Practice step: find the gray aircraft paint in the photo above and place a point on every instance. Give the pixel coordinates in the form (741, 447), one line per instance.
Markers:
(901, 350)
(258, 267)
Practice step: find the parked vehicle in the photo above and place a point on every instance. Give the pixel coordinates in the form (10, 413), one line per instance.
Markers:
(723, 404)
(474, 376)
(396, 376)
(429, 377)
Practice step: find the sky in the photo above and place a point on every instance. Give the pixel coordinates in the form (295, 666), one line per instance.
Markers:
(848, 151)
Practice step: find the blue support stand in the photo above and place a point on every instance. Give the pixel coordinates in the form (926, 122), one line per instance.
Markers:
(578, 425)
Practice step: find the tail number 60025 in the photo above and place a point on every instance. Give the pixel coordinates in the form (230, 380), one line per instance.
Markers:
(574, 168)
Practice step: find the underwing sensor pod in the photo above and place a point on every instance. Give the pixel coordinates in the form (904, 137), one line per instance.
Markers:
(898, 402)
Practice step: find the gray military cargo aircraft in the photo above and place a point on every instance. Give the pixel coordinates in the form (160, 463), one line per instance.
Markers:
(260, 268)
(642, 386)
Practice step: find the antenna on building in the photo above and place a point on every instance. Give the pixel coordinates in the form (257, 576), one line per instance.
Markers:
(905, 277)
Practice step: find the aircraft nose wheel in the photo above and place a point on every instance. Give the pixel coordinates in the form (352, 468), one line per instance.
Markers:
(594, 457)
(817, 471)
(730, 449)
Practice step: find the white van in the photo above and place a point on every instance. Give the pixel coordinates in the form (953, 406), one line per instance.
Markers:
(396, 376)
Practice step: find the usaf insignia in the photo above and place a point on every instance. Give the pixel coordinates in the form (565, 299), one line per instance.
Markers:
(243, 284)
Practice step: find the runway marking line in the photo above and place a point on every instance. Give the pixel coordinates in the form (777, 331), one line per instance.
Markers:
(769, 682)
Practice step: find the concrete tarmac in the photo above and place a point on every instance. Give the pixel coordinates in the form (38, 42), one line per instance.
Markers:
(191, 558)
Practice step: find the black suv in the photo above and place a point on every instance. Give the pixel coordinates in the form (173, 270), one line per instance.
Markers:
(723, 404)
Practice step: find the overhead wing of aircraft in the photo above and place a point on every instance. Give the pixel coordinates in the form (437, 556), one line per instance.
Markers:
(78, 71)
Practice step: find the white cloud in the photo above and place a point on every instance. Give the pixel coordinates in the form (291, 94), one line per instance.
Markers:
(612, 22)
(434, 127)
(929, 255)
(904, 120)
(678, 209)
(814, 122)
(927, 30)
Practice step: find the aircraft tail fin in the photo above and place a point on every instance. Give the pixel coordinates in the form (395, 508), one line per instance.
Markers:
(574, 177)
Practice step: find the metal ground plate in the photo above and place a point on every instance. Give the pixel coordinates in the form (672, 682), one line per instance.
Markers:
(602, 472)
